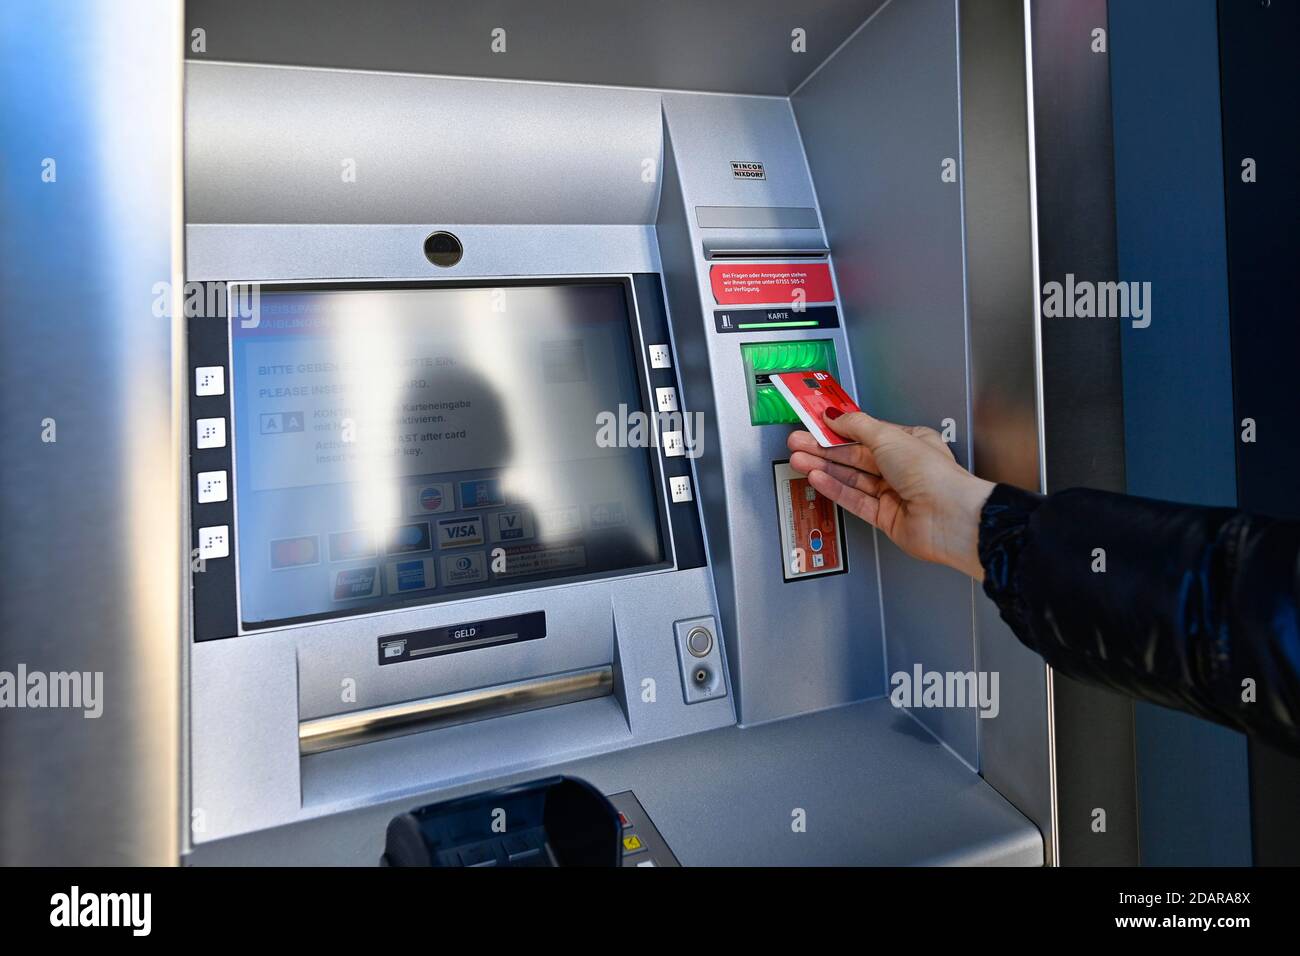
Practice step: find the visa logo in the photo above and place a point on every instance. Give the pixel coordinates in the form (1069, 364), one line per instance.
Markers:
(460, 532)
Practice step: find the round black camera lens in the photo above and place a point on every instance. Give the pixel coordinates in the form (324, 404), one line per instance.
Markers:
(443, 249)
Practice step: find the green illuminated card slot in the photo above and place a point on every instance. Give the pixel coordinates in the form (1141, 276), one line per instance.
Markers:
(761, 359)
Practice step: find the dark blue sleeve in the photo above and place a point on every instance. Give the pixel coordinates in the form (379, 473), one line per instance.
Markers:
(1188, 607)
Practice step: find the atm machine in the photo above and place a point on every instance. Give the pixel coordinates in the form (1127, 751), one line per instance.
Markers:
(486, 479)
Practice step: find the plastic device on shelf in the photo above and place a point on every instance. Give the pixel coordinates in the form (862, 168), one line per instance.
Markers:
(558, 821)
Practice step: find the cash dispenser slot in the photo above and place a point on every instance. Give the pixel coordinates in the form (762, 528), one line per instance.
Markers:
(322, 734)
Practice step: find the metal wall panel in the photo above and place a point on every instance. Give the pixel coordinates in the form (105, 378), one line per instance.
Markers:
(895, 226)
(91, 576)
(1083, 422)
(669, 44)
(274, 144)
(1015, 748)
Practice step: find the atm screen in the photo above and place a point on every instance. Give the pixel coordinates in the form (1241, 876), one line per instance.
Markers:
(399, 446)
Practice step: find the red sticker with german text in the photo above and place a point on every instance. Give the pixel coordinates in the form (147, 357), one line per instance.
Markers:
(771, 284)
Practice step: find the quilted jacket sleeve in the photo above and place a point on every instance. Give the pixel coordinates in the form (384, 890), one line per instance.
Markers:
(1193, 608)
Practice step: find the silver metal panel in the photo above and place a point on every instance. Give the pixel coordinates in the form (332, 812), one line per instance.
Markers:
(531, 743)
(671, 44)
(91, 575)
(1015, 749)
(258, 252)
(271, 144)
(243, 735)
(1093, 750)
(711, 132)
(794, 647)
(247, 774)
(580, 634)
(757, 217)
(876, 789)
(896, 230)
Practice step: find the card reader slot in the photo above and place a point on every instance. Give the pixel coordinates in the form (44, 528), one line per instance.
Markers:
(764, 359)
(755, 253)
(774, 244)
(322, 734)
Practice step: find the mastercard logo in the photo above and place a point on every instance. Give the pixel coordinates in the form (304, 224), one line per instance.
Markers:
(294, 552)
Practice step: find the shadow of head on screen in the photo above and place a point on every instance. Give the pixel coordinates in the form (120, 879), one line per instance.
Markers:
(586, 509)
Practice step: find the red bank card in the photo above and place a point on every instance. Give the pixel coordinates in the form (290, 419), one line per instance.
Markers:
(810, 394)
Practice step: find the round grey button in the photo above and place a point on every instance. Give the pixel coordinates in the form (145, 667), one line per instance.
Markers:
(699, 641)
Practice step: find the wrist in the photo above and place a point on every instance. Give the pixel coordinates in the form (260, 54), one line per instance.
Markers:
(971, 494)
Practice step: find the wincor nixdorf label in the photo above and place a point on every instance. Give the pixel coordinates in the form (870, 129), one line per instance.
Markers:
(396, 648)
(747, 170)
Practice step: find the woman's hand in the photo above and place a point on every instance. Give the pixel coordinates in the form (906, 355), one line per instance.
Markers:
(904, 481)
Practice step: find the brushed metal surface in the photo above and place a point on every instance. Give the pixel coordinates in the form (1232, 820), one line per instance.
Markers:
(256, 252)
(249, 694)
(277, 144)
(90, 571)
(1093, 745)
(757, 217)
(669, 44)
(395, 720)
(1015, 748)
(895, 228)
(876, 788)
(791, 647)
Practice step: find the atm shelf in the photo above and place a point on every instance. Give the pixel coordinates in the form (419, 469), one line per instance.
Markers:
(874, 787)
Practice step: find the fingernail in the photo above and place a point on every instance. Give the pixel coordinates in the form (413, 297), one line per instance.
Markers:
(833, 413)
